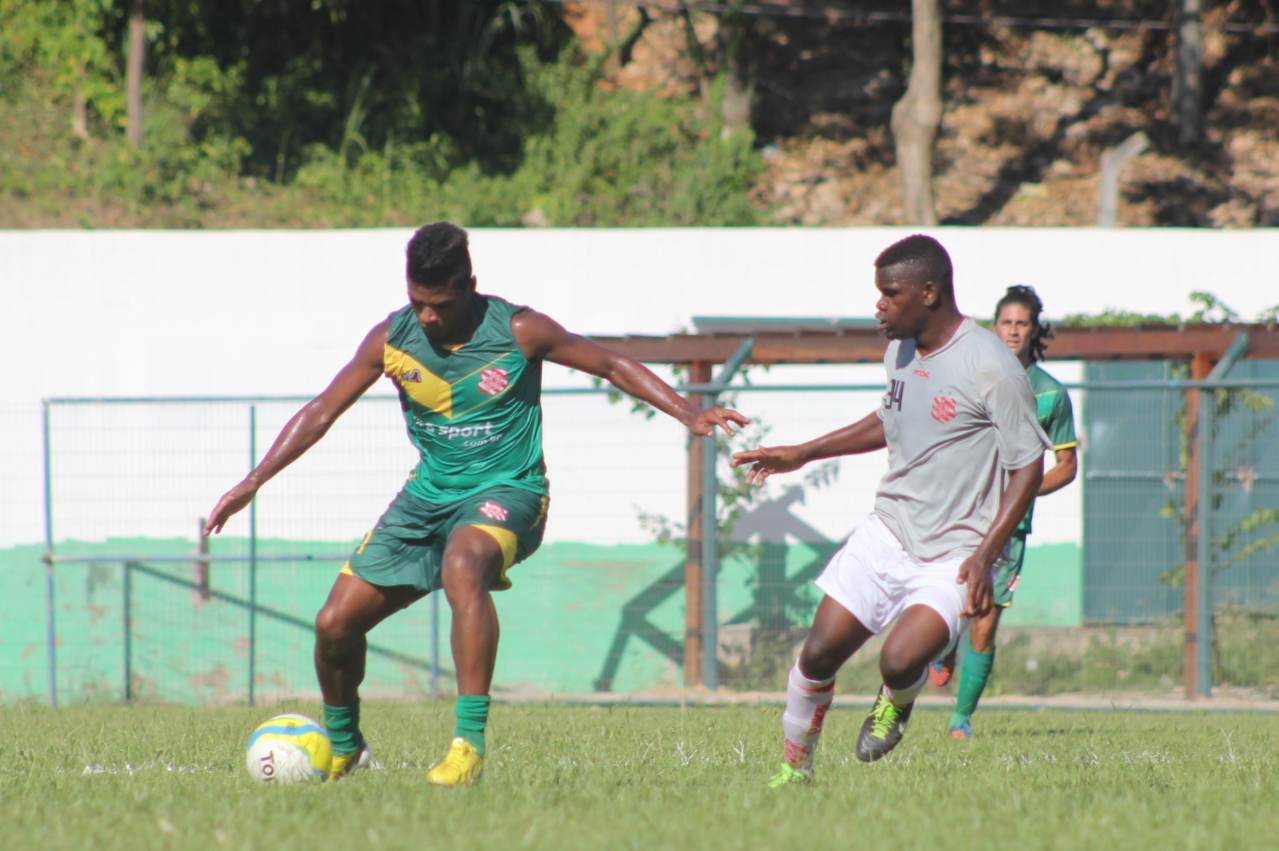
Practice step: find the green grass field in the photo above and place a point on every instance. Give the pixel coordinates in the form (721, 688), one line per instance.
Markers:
(644, 778)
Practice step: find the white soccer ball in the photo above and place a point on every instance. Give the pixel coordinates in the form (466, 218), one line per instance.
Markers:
(289, 749)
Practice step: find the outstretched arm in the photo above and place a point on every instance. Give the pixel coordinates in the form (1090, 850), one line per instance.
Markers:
(1062, 473)
(1015, 501)
(307, 426)
(542, 338)
(865, 435)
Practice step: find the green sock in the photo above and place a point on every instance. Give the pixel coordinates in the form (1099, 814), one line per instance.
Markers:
(472, 712)
(972, 682)
(343, 724)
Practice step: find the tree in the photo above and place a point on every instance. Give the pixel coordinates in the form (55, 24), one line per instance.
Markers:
(917, 116)
(133, 73)
(726, 82)
(1188, 84)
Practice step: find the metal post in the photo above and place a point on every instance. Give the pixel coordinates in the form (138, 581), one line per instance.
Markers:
(49, 590)
(1200, 366)
(1203, 613)
(710, 525)
(1203, 541)
(710, 559)
(127, 619)
(1111, 163)
(253, 554)
(435, 645)
(694, 629)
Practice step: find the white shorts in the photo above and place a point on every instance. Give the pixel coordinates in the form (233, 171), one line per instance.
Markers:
(876, 580)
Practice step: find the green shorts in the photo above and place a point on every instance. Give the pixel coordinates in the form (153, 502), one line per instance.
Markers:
(1009, 572)
(407, 545)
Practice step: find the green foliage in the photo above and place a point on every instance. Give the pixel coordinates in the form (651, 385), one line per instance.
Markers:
(342, 115)
(608, 158)
(64, 43)
(1208, 308)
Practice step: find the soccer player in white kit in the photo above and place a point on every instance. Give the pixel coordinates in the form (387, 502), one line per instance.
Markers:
(965, 459)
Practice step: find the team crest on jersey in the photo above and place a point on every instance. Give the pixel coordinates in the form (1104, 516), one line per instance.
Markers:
(943, 409)
(413, 376)
(493, 381)
(493, 511)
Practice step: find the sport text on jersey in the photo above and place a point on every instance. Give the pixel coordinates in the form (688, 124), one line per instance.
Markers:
(473, 435)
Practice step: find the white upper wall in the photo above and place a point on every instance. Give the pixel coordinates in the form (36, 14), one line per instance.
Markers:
(236, 312)
(130, 313)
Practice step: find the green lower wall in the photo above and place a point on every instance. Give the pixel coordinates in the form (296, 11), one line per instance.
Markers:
(1051, 591)
(580, 618)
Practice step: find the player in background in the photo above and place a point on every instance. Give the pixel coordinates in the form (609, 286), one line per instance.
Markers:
(965, 458)
(1017, 323)
(468, 371)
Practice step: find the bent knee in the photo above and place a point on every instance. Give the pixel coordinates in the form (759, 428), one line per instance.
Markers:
(333, 626)
(897, 666)
(468, 573)
(820, 660)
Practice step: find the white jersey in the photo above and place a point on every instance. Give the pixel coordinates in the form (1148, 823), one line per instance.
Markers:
(956, 421)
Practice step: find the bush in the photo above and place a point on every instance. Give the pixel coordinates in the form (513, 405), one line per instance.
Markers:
(596, 157)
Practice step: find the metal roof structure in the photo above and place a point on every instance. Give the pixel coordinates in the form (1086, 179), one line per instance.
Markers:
(855, 340)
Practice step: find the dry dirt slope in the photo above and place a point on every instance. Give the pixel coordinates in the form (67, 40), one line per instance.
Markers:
(1028, 115)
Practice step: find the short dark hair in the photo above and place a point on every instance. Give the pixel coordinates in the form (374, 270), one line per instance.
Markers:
(438, 255)
(1029, 299)
(925, 256)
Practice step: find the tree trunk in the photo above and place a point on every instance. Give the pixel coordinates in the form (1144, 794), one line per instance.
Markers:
(917, 116)
(739, 93)
(739, 87)
(80, 106)
(1187, 86)
(133, 73)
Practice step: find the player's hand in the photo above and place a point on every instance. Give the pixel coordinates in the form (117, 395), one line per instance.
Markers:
(767, 460)
(232, 502)
(705, 420)
(981, 591)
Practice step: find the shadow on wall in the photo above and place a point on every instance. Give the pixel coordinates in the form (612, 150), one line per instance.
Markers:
(782, 598)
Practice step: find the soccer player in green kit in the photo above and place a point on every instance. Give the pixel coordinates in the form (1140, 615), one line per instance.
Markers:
(468, 371)
(1017, 325)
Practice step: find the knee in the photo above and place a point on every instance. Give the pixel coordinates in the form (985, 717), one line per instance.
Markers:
(464, 576)
(333, 628)
(900, 668)
(820, 660)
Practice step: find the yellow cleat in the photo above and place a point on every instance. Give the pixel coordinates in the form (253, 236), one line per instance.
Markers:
(345, 763)
(461, 766)
(790, 776)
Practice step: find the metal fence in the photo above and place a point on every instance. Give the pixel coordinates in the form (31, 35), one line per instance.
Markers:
(123, 600)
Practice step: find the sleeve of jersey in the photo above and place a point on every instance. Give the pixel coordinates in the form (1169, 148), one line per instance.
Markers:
(1010, 403)
(1061, 422)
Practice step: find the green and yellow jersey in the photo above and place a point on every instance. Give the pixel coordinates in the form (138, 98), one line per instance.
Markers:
(473, 411)
(1056, 418)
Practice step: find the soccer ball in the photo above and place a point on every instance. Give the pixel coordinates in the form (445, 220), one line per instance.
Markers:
(289, 749)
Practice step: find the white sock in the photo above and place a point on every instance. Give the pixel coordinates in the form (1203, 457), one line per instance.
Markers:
(902, 697)
(806, 704)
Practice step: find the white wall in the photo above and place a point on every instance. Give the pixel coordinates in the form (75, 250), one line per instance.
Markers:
(112, 313)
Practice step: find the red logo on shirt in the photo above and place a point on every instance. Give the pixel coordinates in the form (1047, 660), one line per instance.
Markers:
(493, 381)
(493, 511)
(943, 409)
(920, 373)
